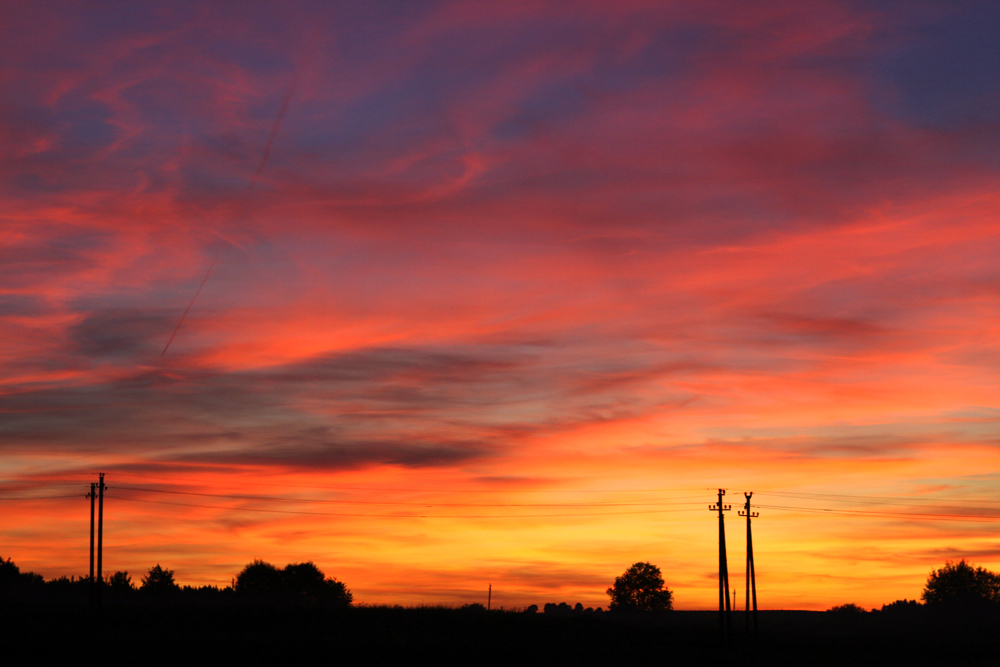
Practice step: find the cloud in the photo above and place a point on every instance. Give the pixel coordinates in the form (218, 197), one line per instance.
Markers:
(325, 451)
(391, 406)
(22, 305)
(118, 333)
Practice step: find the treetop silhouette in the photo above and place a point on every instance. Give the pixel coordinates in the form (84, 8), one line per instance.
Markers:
(121, 583)
(640, 588)
(159, 581)
(297, 581)
(960, 585)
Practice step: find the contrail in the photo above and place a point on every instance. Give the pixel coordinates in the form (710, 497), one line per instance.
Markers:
(274, 131)
(186, 310)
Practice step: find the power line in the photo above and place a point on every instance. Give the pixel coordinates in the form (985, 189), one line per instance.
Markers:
(910, 515)
(876, 500)
(412, 489)
(396, 503)
(402, 516)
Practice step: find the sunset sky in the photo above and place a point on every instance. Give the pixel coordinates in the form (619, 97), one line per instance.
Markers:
(501, 293)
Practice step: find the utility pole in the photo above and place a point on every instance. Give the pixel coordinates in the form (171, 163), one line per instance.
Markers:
(100, 537)
(489, 597)
(751, 576)
(725, 611)
(92, 495)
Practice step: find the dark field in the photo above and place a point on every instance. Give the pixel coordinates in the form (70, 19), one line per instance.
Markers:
(144, 633)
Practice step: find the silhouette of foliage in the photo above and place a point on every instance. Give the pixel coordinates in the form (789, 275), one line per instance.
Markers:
(849, 609)
(259, 579)
(902, 607)
(13, 580)
(960, 585)
(120, 583)
(303, 580)
(68, 586)
(641, 588)
(306, 581)
(561, 608)
(159, 581)
(10, 573)
(205, 592)
(297, 581)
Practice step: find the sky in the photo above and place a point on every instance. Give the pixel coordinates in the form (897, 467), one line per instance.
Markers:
(450, 295)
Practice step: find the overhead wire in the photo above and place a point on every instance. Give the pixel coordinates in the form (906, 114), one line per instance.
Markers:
(405, 516)
(399, 503)
(349, 487)
(76, 495)
(874, 500)
(911, 515)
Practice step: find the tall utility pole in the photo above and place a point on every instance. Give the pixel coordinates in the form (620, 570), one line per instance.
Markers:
(92, 495)
(751, 577)
(489, 598)
(725, 611)
(100, 536)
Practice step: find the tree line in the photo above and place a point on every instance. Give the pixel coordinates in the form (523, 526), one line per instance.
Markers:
(958, 586)
(641, 588)
(258, 580)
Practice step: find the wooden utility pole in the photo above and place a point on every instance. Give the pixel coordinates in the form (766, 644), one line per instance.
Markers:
(100, 537)
(92, 495)
(489, 597)
(751, 575)
(725, 611)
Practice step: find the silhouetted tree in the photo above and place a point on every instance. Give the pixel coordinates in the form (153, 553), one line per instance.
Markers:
(849, 609)
(306, 581)
(960, 585)
(206, 592)
(159, 581)
(120, 583)
(10, 573)
(13, 580)
(640, 588)
(259, 579)
(902, 607)
(336, 592)
(298, 581)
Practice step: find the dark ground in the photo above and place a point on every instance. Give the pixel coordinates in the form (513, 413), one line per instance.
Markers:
(155, 632)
